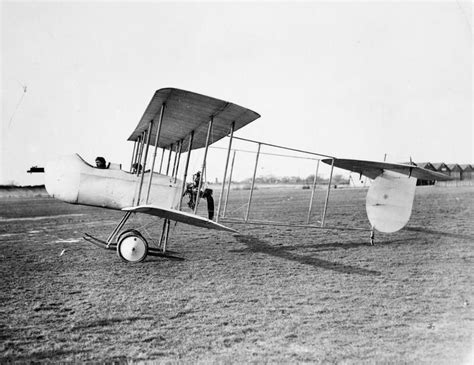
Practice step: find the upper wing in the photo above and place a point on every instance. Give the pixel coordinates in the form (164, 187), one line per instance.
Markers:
(185, 112)
(178, 216)
(372, 169)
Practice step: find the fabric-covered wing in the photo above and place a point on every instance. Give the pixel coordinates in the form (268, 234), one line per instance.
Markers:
(372, 169)
(178, 216)
(185, 112)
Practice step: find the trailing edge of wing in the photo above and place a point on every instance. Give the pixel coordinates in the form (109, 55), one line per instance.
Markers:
(178, 216)
(372, 169)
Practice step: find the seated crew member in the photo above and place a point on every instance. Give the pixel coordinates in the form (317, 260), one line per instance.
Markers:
(192, 190)
(100, 163)
(196, 178)
(194, 194)
(136, 166)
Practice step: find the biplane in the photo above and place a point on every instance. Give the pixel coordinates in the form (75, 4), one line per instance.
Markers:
(180, 122)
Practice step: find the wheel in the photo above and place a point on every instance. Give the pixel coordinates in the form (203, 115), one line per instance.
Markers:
(372, 237)
(132, 247)
(128, 231)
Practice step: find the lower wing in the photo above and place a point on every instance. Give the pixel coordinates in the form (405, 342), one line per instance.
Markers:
(178, 216)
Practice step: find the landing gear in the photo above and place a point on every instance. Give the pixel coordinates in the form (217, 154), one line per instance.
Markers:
(372, 237)
(132, 246)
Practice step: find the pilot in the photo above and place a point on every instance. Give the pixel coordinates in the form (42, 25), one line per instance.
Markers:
(100, 163)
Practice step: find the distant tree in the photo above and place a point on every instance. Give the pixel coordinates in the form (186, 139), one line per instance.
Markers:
(271, 179)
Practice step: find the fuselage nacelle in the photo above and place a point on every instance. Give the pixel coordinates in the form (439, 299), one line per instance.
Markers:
(71, 179)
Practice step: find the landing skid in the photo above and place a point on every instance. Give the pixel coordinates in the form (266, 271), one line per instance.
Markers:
(151, 251)
(99, 243)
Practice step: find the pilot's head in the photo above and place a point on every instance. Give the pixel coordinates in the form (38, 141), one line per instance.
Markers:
(100, 162)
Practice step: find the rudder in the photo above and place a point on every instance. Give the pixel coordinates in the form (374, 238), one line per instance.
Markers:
(390, 200)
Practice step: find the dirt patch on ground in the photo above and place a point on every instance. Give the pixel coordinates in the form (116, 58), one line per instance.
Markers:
(267, 295)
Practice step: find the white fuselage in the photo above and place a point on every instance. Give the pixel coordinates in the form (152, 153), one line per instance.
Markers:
(74, 181)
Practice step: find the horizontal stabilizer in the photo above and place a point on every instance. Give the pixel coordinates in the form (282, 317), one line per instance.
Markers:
(372, 169)
(178, 216)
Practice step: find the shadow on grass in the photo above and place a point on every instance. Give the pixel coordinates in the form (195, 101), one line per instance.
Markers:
(440, 233)
(39, 356)
(108, 322)
(333, 246)
(256, 245)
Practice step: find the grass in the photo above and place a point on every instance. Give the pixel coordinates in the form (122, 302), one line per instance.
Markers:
(276, 295)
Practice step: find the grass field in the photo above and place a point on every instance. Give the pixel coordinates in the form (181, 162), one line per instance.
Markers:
(277, 295)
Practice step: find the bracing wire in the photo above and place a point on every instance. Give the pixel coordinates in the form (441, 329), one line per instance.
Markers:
(18, 104)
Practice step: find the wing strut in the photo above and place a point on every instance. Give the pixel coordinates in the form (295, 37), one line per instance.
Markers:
(135, 143)
(148, 136)
(225, 170)
(186, 167)
(118, 228)
(169, 159)
(162, 157)
(157, 138)
(312, 193)
(178, 159)
(137, 157)
(327, 195)
(228, 184)
(253, 182)
(209, 129)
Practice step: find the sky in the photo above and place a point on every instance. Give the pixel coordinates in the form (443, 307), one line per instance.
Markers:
(349, 79)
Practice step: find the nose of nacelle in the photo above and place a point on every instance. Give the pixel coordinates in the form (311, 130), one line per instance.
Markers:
(62, 178)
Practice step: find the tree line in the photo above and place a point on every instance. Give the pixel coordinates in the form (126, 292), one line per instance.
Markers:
(298, 180)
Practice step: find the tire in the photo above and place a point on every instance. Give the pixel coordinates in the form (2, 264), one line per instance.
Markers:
(132, 246)
(128, 231)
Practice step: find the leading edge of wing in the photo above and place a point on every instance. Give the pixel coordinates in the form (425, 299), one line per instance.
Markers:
(178, 216)
(372, 169)
(188, 112)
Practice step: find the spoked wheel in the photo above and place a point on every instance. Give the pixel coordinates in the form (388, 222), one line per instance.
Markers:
(132, 246)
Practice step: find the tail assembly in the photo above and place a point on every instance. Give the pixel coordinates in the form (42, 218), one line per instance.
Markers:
(390, 197)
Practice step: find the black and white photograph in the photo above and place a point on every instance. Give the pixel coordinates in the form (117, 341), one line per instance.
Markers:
(235, 182)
